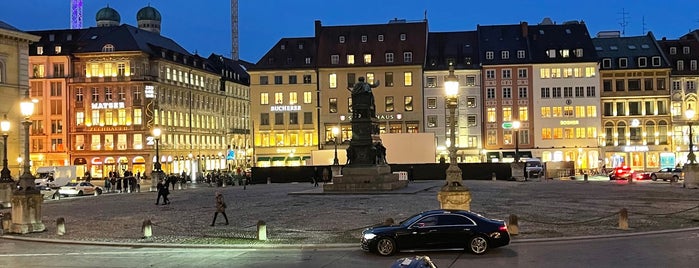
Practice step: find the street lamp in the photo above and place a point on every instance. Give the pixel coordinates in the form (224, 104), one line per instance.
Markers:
(26, 181)
(336, 131)
(515, 126)
(5, 173)
(156, 135)
(689, 114)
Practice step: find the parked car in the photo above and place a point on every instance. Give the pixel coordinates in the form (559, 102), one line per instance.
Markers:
(640, 175)
(665, 174)
(437, 229)
(620, 173)
(47, 192)
(79, 188)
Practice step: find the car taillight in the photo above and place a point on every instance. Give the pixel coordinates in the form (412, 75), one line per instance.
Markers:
(503, 228)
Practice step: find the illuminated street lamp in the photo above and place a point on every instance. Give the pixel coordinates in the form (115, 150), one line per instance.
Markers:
(336, 131)
(5, 174)
(515, 126)
(26, 181)
(689, 114)
(156, 135)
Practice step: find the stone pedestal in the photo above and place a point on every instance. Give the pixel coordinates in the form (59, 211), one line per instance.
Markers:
(26, 212)
(518, 170)
(155, 177)
(365, 179)
(454, 197)
(6, 189)
(691, 175)
(336, 170)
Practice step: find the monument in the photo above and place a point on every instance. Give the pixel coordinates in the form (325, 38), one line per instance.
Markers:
(366, 168)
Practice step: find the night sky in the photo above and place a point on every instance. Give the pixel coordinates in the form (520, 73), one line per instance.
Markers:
(205, 28)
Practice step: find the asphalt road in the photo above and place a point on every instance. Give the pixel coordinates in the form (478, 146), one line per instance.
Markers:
(677, 249)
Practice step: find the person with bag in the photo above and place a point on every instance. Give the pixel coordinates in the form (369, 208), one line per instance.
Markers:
(220, 208)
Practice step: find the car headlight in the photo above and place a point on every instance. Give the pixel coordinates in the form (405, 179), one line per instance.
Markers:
(369, 236)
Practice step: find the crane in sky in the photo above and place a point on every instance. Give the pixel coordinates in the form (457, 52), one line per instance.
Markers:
(76, 14)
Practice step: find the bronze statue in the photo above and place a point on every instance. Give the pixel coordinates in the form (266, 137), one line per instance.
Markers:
(359, 89)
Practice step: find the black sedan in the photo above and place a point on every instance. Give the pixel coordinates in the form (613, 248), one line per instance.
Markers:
(438, 229)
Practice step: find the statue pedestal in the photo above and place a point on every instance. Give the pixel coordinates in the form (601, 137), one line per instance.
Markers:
(365, 179)
(155, 177)
(691, 176)
(518, 170)
(454, 197)
(6, 189)
(26, 212)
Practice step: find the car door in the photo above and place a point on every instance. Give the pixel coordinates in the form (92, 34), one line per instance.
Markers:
(420, 235)
(454, 230)
(86, 188)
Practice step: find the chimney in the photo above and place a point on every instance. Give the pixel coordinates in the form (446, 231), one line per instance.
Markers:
(525, 28)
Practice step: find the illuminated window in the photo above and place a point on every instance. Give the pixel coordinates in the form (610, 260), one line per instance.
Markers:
(279, 98)
(506, 113)
(580, 111)
(408, 76)
(80, 118)
(367, 58)
(431, 103)
(307, 97)
(557, 133)
(95, 142)
(507, 137)
(492, 137)
(138, 141)
(568, 111)
(121, 113)
(492, 115)
(333, 80)
(264, 98)
(545, 73)
(95, 117)
(370, 78)
(546, 134)
(545, 112)
(80, 142)
(350, 59)
(569, 133)
(389, 103)
(137, 116)
(432, 121)
(109, 142)
(293, 98)
(332, 107)
(558, 111)
(408, 102)
(523, 114)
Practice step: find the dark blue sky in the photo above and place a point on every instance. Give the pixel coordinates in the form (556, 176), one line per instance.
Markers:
(204, 25)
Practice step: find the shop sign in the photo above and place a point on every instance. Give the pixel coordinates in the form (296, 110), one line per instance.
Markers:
(115, 129)
(286, 151)
(150, 92)
(570, 122)
(380, 117)
(642, 148)
(108, 105)
(285, 108)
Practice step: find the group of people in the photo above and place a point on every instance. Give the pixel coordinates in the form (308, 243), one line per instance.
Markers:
(128, 183)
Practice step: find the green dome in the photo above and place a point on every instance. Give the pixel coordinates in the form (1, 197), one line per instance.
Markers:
(108, 13)
(148, 13)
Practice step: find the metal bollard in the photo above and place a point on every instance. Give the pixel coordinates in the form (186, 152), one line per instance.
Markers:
(494, 176)
(269, 180)
(147, 229)
(261, 230)
(513, 225)
(61, 226)
(585, 176)
(623, 219)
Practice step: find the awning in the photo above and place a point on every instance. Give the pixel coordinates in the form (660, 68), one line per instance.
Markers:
(79, 161)
(492, 155)
(522, 154)
(306, 157)
(293, 158)
(262, 159)
(278, 158)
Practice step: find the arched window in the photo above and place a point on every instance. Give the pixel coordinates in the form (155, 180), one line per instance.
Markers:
(650, 132)
(609, 134)
(108, 48)
(2, 71)
(621, 133)
(662, 132)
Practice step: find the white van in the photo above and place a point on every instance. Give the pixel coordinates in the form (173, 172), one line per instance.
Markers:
(534, 168)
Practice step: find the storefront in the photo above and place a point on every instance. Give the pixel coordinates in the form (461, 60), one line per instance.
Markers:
(642, 157)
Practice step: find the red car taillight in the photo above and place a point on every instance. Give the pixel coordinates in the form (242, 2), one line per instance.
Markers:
(503, 228)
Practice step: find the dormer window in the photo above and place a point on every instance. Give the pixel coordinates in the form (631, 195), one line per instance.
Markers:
(673, 50)
(642, 61)
(655, 61)
(342, 39)
(504, 55)
(300, 45)
(380, 38)
(283, 47)
(521, 54)
(685, 50)
(57, 49)
(110, 48)
(52, 37)
(489, 55)
(364, 38)
(308, 60)
(551, 53)
(565, 53)
(403, 37)
(680, 65)
(579, 52)
(623, 63)
(606, 63)
(335, 59)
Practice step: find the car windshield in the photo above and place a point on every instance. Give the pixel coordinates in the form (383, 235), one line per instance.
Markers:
(410, 220)
(72, 184)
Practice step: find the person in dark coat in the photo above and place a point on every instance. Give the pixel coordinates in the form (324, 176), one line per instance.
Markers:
(220, 208)
(162, 189)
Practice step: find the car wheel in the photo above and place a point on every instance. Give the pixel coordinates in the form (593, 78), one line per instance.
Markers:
(675, 178)
(653, 177)
(80, 193)
(99, 191)
(478, 245)
(386, 246)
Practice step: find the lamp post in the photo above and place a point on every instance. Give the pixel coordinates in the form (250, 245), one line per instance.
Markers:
(336, 131)
(453, 195)
(689, 114)
(26, 199)
(515, 126)
(156, 135)
(5, 174)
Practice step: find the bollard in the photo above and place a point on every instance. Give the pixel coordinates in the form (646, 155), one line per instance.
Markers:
(261, 230)
(224, 183)
(61, 226)
(179, 186)
(95, 193)
(147, 229)
(494, 176)
(6, 221)
(513, 226)
(585, 176)
(623, 219)
(269, 180)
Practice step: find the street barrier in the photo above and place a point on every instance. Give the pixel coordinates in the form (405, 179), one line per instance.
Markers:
(624, 219)
(61, 226)
(147, 229)
(261, 230)
(513, 225)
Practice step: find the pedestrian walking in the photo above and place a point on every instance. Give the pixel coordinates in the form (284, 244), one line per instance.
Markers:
(220, 208)
(411, 175)
(107, 184)
(161, 193)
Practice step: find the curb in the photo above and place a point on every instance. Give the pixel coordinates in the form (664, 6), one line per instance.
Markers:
(316, 246)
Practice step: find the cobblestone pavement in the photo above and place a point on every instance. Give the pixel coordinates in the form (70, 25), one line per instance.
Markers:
(545, 209)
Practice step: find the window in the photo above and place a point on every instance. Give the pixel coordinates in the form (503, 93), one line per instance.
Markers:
(364, 38)
(634, 108)
(685, 50)
(370, 78)
(40, 50)
(264, 80)
(551, 53)
(264, 98)
(655, 61)
(431, 121)
(591, 92)
(579, 92)
(380, 38)
(620, 109)
(489, 74)
(470, 80)
(264, 119)
(278, 118)
(407, 57)
(408, 76)
(389, 79)
(292, 79)
(389, 57)
(607, 85)
(504, 55)
(293, 118)
(545, 112)
(431, 81)
(367, 58)
(567, 92)
(620, 86)
(79, 94)
(403, 37)
(556, 92)
(507, 93)
(471, 102)
(341, 39)
(307, 79)
(642, 61)
(606, 63)
(523, 113)
(278, 80)
(56, 126)
(648, 84)
(565, 53)
(661, 83)
(293, 98)
(521, 54)
(38, 70)
(545, 92)
(279, 98)
(308, 117)
(137, 116)
(389, 103)
(491, 115)
(489, 55)
(693, 65)
(95, 95)
(332, 106)
(556, 73)
(680, 65)
(59, 70)
(108, 94)
(545, 73)
(471, 120)
(56, 89)
(350, 59)
(431, 103)
(490, 93)
(108, 48)
(673, 50)
(408, 102)
(579, 52)
(506, 74)
(332, 80)
(334, 59)
(507, 113)
(492, 137)
(608, 109)
(521, 73)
